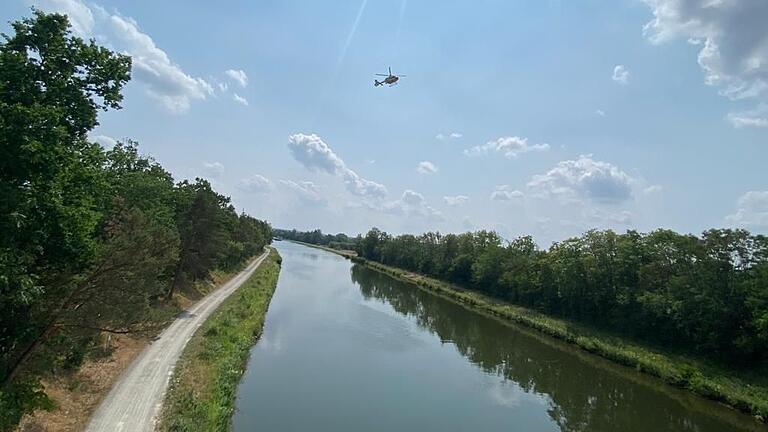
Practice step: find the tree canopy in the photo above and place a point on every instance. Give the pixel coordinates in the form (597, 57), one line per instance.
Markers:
(91, 240)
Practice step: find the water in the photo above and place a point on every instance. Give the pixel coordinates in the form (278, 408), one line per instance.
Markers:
(349, 349)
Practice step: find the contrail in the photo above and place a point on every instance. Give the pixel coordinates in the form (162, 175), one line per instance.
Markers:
(326, 87)
(351, 33)
(400, 26)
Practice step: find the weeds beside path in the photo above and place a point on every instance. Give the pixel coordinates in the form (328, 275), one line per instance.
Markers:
(204, 385)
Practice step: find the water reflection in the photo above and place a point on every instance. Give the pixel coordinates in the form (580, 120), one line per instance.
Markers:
(583, 393)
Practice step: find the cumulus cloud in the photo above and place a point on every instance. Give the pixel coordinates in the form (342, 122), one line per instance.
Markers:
(620, 74)
(105, 141)
(255, 184)
(733, 38)
(363, 187)
(448, 136)
(412, 204)
(757, 117)
(585, 178)
(238, 76)
(312, 152)
(239, 99)
(80, 15)
(307, 191)
(412, 198)
(165, 81)
(752, 210)
(456, 201)
(505, 193)
(426, 167)
(213, 170)
(510, 147)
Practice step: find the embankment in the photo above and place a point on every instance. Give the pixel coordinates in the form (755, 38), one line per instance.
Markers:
(743, 391)
(204, 385)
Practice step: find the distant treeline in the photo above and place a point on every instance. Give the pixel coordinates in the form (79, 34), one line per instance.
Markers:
(707, 294)
(91, 240)
(336, 241)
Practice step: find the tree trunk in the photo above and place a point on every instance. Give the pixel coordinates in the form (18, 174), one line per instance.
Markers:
(15, 367)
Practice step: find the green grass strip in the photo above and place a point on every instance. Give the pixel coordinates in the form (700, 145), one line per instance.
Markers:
(201, 396)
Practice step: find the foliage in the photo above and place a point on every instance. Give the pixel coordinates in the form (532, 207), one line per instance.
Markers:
(203, 388)
(482, 342)
(705, 294)
(334, 241)
(92, 239)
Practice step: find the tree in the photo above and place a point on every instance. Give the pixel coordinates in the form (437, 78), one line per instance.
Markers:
(203, 223)
(52, 85)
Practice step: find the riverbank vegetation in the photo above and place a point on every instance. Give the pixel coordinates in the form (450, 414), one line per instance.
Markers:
(690, 310)
(339, 241)
(204, 384)
(94, 241)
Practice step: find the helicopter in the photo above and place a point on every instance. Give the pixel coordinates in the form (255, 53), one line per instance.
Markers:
(390, 79)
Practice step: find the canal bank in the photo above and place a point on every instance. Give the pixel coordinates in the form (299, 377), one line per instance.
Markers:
(346, 347)
(202, 391)
(710, 382)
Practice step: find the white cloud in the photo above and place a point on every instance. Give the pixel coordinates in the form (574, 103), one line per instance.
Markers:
(105, 141)
(307, 191)
(426, 167)
(223, 87)
(757, 117)
(452, 135)
(239, 76)
(585, 178)
(363, 187)
(601, 113)
(213, 170)
(412, 198)
(620, 74)
(456, 201)
(752, 210)
(312, 152)
(80, 15)
(732, 35)
(511, 147)
(505, 193)
(239, 99)
(255, 183)
(412, 204)
(165, 81)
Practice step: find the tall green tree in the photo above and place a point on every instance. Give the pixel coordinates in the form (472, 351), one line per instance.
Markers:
(52, 86)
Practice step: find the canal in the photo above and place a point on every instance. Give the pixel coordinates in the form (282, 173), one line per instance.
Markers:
(346, 348)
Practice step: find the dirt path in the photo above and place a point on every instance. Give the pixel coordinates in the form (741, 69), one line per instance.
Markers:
(135, 401)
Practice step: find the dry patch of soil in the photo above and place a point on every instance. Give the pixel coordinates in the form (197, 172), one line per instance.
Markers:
(77, 395)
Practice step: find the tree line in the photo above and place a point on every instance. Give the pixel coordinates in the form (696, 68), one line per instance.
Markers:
(338, 241)
(564, 378)
(704, 294)
(92, 240)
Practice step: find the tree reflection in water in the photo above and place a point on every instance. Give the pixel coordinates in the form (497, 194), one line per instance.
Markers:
(584, 393)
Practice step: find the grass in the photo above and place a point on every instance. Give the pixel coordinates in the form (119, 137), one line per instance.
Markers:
(204, 385)
(740, 390)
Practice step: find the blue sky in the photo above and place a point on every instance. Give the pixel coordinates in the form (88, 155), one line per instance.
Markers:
(545, 118)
